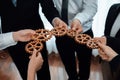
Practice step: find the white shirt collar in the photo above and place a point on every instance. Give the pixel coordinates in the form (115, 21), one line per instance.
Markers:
(116, 26)
(14, 2)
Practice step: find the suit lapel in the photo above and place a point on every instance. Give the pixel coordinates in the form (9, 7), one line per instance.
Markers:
(112, 14)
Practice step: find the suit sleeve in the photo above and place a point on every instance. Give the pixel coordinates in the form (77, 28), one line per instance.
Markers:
(115, 66)
(88, 11)
(115, 63)
(114, 43)
(49, 9)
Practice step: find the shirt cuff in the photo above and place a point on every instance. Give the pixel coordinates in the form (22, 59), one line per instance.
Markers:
(7, 40)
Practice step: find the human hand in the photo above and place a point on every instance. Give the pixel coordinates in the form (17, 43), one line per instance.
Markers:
(35, 62)
(23, 35)
(106, 52)
(57, 22)
(102, 39)
(76, 25)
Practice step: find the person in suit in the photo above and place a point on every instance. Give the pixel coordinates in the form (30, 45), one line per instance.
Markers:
(111, 37)
(79, 17)
(109, 55)
(24, 14)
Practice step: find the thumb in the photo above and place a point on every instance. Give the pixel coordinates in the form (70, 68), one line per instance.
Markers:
(39, 54)
(101, 45)
(34, 52)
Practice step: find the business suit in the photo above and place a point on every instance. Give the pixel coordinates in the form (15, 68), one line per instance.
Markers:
(82, 10)
(113, 42)
(24, 16)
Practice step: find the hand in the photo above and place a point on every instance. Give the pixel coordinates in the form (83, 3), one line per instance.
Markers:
(105, 52)
(57, 22)
(101, 39)
(23, 35)
(76, 25)
(36, 61)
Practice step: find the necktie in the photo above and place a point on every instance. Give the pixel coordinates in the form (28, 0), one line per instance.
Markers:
(64, 11)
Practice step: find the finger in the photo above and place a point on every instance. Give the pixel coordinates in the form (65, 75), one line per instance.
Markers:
(29, 31)
(40, 57)
(30, 57)
(72, 26)
(103, 56)
(34, 52)
(102, 46)
(101, 52)
(79, 30)
(65, 25)
(39, 54)
(62, 25)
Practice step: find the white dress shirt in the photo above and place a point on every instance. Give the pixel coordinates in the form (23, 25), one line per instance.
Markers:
(6, 40)
(84, 10)
(14, 2)
(116, 26)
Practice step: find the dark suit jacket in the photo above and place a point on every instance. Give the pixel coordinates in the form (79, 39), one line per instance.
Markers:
(26, 14)
(113, 42)
(116, 66)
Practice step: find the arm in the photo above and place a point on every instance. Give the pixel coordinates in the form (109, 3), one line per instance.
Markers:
(11, 38)
(108, 54)
(85, 16)
(88, 11)
(6, 40)
(34, 65)
(49, 9)
(113, 42)
(115, 67)
(115, 63)
(51, 13)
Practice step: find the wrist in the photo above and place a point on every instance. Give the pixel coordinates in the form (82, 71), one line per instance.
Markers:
(31, 69)
(31, 74)
(77, 20)
(15, 36)
(112, 56)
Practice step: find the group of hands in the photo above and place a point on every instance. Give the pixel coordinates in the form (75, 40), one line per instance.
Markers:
(26, 34)
(36, 60)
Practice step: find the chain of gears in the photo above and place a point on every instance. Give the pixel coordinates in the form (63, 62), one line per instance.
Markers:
(43, 35)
